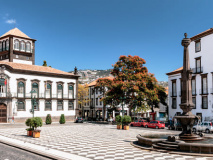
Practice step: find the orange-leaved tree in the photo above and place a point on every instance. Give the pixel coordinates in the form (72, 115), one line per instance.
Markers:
(132, 84)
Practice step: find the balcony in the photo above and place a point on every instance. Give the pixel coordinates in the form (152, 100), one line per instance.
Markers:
(41, 96)
(197, 70)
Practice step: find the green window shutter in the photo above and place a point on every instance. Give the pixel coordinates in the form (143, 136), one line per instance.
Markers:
(70, 87)
(60, 87)
(48, 86)
(35, 85)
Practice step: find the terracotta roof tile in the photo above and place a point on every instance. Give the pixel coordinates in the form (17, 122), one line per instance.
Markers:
(93, 83)
(202, 34)
(34, 68)
(15, 32)
(175, 71)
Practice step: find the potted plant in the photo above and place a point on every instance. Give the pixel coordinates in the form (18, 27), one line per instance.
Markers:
(62, 119)
(118, 121)
(126, 121)
(48, 119)
(28, 123)
(36, 122)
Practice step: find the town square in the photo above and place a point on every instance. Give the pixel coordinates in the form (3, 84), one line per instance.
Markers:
(106, 80)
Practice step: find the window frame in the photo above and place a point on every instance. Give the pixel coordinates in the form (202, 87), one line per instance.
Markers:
(71, 101)
(196, 42)
(46, 105)
(23, 104)
(22, 44)
(20, 81)
(58, 105)
(72, 95)
(15, 45)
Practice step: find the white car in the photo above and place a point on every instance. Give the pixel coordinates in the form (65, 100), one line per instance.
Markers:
(203, 127)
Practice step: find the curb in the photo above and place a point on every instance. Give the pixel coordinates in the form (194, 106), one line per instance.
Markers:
(170, 152)
(47, 152)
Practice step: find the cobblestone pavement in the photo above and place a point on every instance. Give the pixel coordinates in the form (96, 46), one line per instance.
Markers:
(99, 142)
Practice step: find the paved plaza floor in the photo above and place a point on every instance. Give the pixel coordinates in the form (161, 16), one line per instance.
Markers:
(92, 141)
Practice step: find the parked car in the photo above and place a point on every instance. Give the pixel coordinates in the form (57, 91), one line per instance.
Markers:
(203, 127)
(176, 126)
(139, 123)
(79, 120)
(155, 124)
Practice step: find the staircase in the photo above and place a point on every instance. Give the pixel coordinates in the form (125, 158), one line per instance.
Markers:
(166, 145)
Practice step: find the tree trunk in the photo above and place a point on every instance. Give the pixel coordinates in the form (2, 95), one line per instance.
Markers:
(152, 108)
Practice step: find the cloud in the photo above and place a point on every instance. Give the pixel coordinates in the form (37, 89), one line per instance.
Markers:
(10, 21)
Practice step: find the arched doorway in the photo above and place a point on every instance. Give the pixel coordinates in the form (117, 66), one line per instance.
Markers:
(3, 113)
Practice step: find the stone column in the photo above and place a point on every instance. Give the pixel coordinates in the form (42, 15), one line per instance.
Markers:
(186, 98)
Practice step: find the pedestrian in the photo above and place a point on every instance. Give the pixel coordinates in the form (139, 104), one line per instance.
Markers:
(13, 121)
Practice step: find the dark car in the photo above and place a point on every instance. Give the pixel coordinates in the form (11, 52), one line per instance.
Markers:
(79, 120)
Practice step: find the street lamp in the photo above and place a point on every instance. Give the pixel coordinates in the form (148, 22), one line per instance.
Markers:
(33, 101)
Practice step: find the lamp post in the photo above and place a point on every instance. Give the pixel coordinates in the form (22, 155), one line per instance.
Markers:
(33, 101)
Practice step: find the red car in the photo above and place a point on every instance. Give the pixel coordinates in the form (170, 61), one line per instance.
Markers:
(155, 124)
(139, 123)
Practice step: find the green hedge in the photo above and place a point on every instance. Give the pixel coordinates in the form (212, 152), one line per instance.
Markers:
(62, 119)
(48, 119)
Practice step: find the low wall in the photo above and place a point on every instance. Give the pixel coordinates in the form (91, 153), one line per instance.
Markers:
(147, 141)
(196, 147)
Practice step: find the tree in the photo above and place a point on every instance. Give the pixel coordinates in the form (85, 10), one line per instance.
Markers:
(132, 84)
(83, 95)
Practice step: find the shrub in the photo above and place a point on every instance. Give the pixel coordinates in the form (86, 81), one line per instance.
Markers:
(28, 123)
(118, 119)
(36, 122)
(48, 119)
(126, 120)
(62, 119)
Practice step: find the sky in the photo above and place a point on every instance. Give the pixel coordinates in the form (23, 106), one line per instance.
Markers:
(93, 34)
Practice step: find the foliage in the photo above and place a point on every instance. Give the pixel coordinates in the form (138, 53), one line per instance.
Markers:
(45, 63)
(127, 120)
(62, 119)
(83, 94)
(132, 84)
(28, 123)
(118, 119)
(48, 119)
(36, 122)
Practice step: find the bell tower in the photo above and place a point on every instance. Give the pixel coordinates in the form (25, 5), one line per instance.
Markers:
(15, 46)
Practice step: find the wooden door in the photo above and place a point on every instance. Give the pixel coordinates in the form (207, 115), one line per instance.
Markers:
(3, 113)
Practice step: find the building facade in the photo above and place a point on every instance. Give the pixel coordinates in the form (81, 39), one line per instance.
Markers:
(27, 89)
(200, 54)
(94, 108)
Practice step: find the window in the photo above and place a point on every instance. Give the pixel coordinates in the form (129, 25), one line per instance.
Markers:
(0, 46)
(197, 46)
(100, 102)
(36, 105)
(16, 45)
(204, 85)
(22, 46)
(96, 101)
(27, 58)
(4, 45)
(200, 114)
(88, 101)
(16, 56)
(174, 103)
(194, 101)
(71, 91)
(174, 89)
(60, 105)
(48, 106)
(91, 102)
(71, 105)
(204, 102)
(21, 106)
(60, 91)
(28, 47)
(35, 90)
(198, 65)
(47, 90)
(193, 86)
(96, 90)
(21, 89)
(7, 45)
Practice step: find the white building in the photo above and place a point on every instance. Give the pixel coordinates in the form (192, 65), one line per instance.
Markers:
(94, 108)
(25, 87)
(200, 57)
